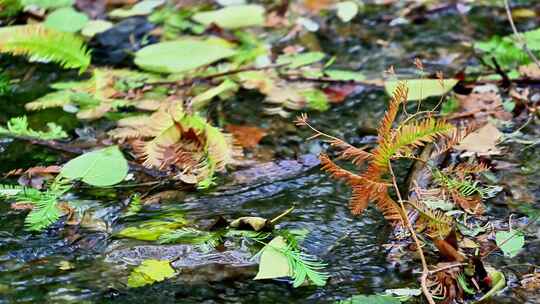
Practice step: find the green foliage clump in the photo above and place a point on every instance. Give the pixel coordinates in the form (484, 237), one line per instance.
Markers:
(45, 45)
(9, 8)
(18, 127)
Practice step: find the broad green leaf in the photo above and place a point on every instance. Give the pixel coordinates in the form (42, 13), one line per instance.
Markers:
(297, 60)
(149, 272)
(142, 8)
(180, 55)
(274, 264)
(422, 88)
(99, 168)
(373, 299)
(232, 17)
(66, 19)
(46, 4)
(345, 75)
(94, 27)
(498, 282)
(347, 10)
(510, 242)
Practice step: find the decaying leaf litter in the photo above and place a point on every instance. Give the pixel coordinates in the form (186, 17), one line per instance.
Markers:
(139, 172)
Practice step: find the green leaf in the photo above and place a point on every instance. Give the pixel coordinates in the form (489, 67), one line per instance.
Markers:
(274, 264)
(316, 100)
(99, 168)
(180, 55)
(498, 282)
(373, 299)
(149, 272)
(422, 88)
(510, 242)
(345, 75)
(142, 8)
(66, 20)
(47, 4)
(449, 106)
(94, 27)
(233, 17)
(297, 60)
(347, 10)
(202, 99)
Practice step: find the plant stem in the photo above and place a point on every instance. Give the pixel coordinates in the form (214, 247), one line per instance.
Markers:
(425, 270)
(518, 34)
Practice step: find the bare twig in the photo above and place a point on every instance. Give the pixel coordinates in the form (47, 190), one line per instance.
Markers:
(447, 267)
(518, 35)
(425, 269)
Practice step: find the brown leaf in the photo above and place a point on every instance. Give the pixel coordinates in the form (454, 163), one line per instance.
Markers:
(481, 105)
(530, 71)
(338, 93)
(317, 5)
(447, 251)
(246, 136)
(482, 141)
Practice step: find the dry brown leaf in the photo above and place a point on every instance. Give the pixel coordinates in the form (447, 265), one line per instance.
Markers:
(481, 105)
(246, 136)
(317, 5)
(482, 141)
(530, 71)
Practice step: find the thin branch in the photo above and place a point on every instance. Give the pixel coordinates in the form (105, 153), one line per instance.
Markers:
(425, 269)
(447, 267)
(518, 35)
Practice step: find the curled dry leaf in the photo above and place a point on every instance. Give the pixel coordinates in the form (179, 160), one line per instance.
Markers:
(482, 141)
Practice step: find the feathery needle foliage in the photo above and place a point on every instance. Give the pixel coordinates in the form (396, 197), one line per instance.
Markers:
(18, 126)
(42, 44)
(393, 142)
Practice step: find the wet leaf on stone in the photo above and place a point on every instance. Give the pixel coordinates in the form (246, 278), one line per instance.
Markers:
(251, 223)
(510, 242)
(66, 19)
(47, 4)
(149, 272)
(142, 8)
(295, 61)
(422, 88)
(345, 75)
(99, 168)
(94, 27)
(232, 17)
(180, 55)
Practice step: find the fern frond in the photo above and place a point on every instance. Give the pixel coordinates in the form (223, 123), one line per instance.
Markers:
(44, 214)
(389, 208)
(10, 190)
(409, 137)
(305, 266)
(399, 96)
(153, 152)
(18, 126)
(439, 224)
(51, 100)
(349, 152)
(38, 42)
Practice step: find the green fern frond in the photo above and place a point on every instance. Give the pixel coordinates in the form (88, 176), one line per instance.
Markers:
(40, 43)
(18, 126)
(409, 137)
(438, 222)
(466, 187)
(51, 100)
(305, 266)
(10, 190)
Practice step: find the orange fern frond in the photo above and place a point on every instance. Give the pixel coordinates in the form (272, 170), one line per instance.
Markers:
(389, 208)
(349, 152)
(360, 198)
(398, 97)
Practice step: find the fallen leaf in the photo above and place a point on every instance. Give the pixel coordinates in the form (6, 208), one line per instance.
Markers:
(274, 264)
(317, 5)
(251, 223)
(233, 17)
(347, 10)
(338, 93)
(482, 141)
(422, 88)
(149, 272)
(510, 242)
(530, 71)
(480, 105)
(246, 136)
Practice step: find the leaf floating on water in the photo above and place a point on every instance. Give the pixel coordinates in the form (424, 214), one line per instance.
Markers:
(510, 242)
(181, 55)
(422, 88)
(274, 264)
(149, 272)
(99, 168)
(233, 17)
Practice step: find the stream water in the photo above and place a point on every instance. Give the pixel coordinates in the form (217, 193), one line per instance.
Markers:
(353, 247)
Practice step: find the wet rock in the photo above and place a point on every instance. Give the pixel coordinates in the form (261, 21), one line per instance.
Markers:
(193, 264)
(115, 45)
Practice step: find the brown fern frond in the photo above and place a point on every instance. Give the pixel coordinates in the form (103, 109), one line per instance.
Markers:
(389, 208)
(153, 152)
(453, 138)
(462, 170)
(349, 152)
(398, 96)
(337, 172)
(360, 198)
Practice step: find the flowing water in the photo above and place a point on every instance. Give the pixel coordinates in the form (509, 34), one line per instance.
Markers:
(353, 247)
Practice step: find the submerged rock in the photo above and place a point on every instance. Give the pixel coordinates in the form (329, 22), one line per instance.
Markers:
(193, 264)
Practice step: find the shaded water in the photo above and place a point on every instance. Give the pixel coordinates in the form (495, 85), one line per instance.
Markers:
(352, 247)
